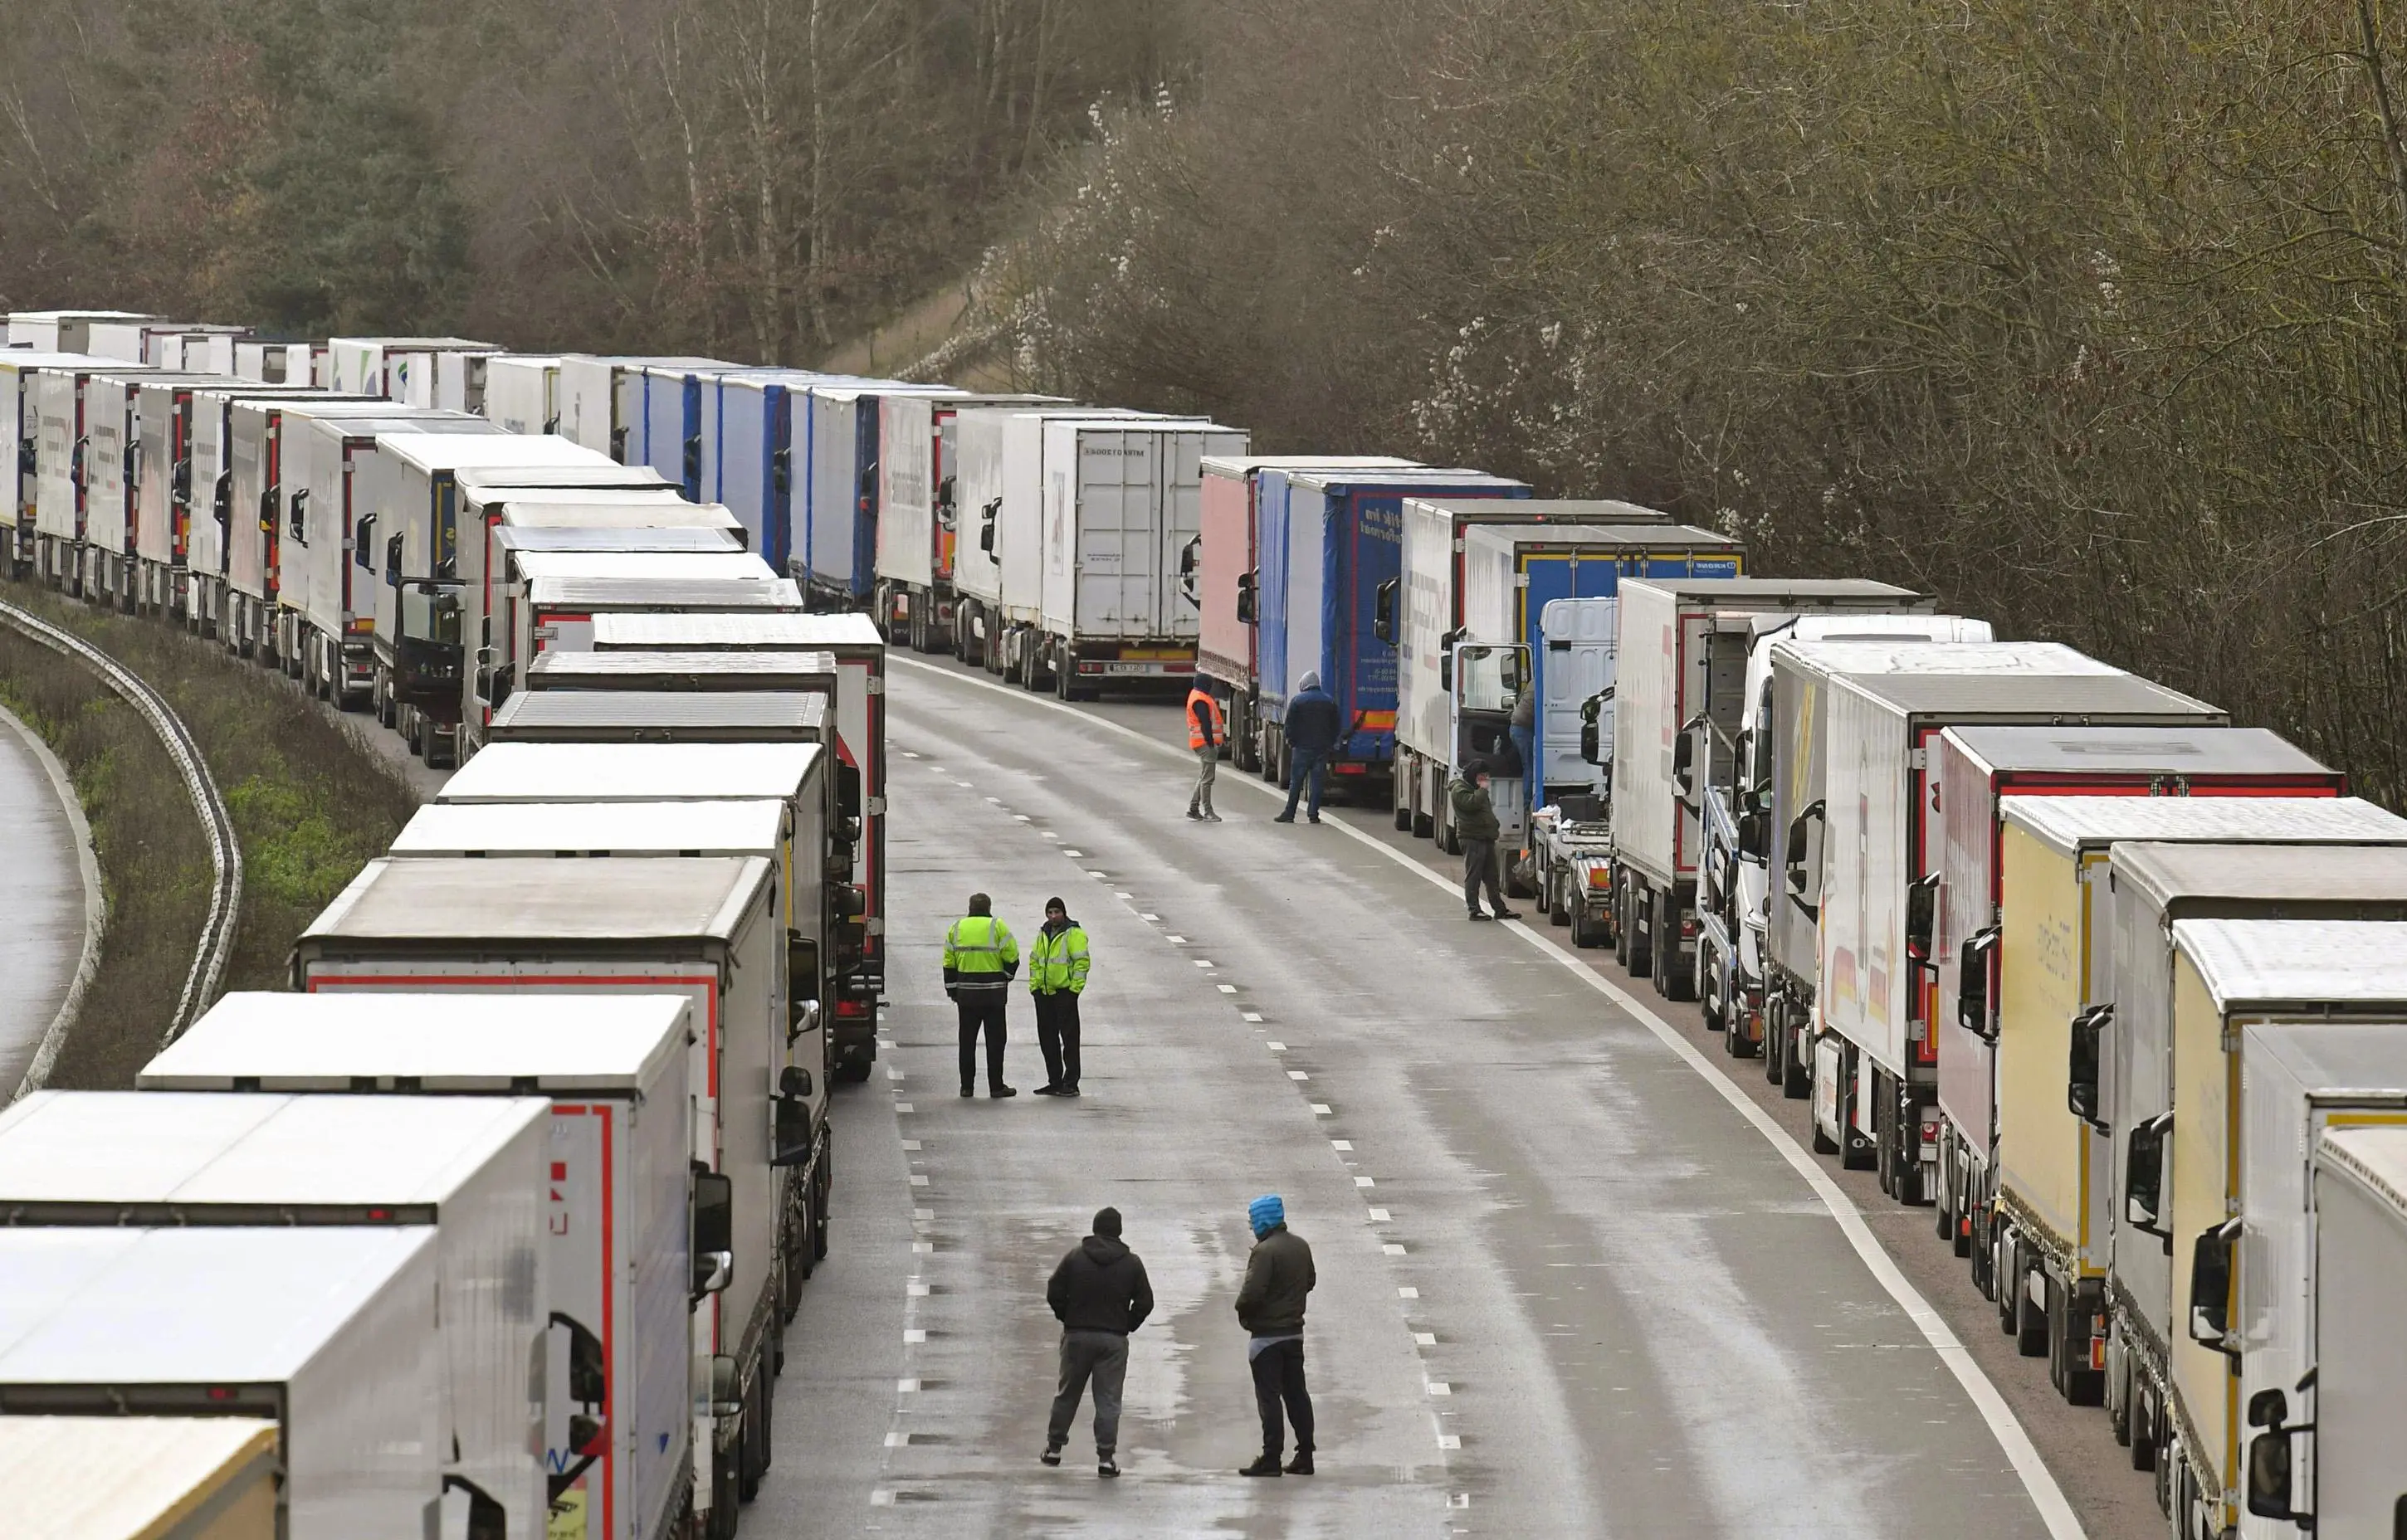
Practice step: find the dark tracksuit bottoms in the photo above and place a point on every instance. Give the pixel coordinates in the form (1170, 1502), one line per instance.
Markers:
(982, 1007)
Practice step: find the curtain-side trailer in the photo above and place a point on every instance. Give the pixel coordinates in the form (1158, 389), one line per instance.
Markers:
(701, 927)
(620, 1211)
(837, 449)
(474, 1169)
(329, 1332)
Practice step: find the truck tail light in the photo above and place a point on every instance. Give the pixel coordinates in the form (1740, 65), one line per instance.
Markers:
(853, 1008)
(2098, 1348)
(1689, 928)
(1349, 770)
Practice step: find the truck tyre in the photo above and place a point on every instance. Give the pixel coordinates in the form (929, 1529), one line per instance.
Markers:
(825, 1189)
(754, 1445)
(1797, 1072)
(1638, 921)
(1583, 930)
(1558, 903)
(1620, 902)
(1823, 1143)
(1403, 800)
(2031, 1320)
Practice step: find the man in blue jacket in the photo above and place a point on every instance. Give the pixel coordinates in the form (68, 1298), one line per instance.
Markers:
(1313, 728)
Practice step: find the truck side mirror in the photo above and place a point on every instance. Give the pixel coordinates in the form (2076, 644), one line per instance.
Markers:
(2209, 1286)
(587, 1377)
(781, 472)
(726, 1386)
(1592, 746)
(848, 793)
(793, 1133)
(392, 561)
(2143, 1181)
(1684, 761)
(714, 1230)
(619, 445)
(299, 517)
(1973, 984)
(1187, 560)
(365, 542)
(2081, 1073)
(1799, 875)
(1750, 835)
(802, 982)
(1921, 917)
(1246, 581)
(1383, 612)
(986, 525)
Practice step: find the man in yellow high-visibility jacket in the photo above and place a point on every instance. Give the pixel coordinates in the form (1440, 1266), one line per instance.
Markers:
(1057, 976)
(981, 958)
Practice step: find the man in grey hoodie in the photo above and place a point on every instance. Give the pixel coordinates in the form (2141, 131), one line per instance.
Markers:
(1100, 1294)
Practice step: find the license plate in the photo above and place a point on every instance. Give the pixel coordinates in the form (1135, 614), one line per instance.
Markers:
(1133, 668)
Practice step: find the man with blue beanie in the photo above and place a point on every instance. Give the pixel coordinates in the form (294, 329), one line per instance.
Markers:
(1270, 1307)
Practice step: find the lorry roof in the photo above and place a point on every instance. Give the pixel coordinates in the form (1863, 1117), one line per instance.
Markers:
(184, 1305)
(797, 669)
(1634, 536)
(524, 900)
(129, 1476)
(327, 406)
(1404, 479)
(1583, 510)
(695, 566)
(2058, 696)
(2367, 869)
(628, 772)
(2333, 1058)
(1780, 593)
(785, 630)
(2175, 750)
(667, 593)
(530, 716)
(2376, 1157)
(524, 452)
(1869, 656)
(603, 473)
(409, 343)
(449, 424)
(534, 504)
(2266, 964)
(26, 357)
(593, 828)
(616, 537)
(148, 1147)
(855, 390)
(521, 1039)
(2067, 823)
(1245, 465)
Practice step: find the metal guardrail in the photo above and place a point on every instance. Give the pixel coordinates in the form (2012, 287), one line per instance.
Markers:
(215, 946)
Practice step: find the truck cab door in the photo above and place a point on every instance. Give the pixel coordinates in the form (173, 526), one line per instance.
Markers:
(1484, 683)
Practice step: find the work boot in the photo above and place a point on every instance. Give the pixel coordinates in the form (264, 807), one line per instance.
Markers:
(1300, 1464)
(1107, 1467)
(1508, 913)
(1048, 1089)
(1052, 1455)
(969, 1091)
(998, 1093)
(1267, 1465)
(1477, 915)
(1067, 1092)
(1313, 818)
(1211, 817)
(1284, 818)
(1196, 813)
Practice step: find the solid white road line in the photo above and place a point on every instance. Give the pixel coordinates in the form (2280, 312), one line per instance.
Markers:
(2037, 1479)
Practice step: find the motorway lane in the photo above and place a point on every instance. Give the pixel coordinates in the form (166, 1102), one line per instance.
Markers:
(42, 903)
(1565, 1288)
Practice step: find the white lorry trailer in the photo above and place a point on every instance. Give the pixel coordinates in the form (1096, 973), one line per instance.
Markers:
(522, 392)
(331, 1333)
(160, 1478)
(860, 652)
(62, 447)
(918, 520)
(1852, 754)
(2307, 869)
(474, 1169)
(21, 370)
(389, 366)
(62, 330)
(1680, 710)
(703, 927)
(620, 1209)
(197, 591)
(2346, 1479)
(279, 362)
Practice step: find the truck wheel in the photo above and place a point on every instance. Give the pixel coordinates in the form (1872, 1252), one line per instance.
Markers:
(2005, 1280)
(1796, 1070)
(1639, 921)
(1404, 809)
(1823, 1143)
(825, 1191)
(2031, 1324)
(1558, 906)
(1582, 933)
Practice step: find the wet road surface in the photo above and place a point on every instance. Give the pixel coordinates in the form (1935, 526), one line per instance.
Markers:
(41, 904)
(1568, 1285)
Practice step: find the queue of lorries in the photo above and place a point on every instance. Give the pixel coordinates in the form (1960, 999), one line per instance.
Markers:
(2111, 985)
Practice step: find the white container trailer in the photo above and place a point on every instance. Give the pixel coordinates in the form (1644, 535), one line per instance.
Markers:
(702, 927)
(2349, 1477)
(918, 520)
(619, 1210)
(473, 1168)
(391, 366)
(62, 465)
(62, 330)
(333, 540)
(456, 380)
(661, 716)
(522, 392)
(329, 1332)
(835, 451)
(21, 369)
(141, 1478)
(211, 526)
(860, 654)
(411, 487)
(762, 827)
(130, 341)
(998, 548)
(2331, 860)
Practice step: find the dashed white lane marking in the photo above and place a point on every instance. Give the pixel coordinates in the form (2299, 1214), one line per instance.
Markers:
(965, 786)
(910, 1144)
(1176, 941)
(1276, 1048)
(1203, 962)
(1226, 989)
(881, 1498)
(907, 1387)
(1392, 1249)
(923, 1248)
(1297, 1075)
(1426, 1339)
(1365, 1182)
(902, 1106)
(2038, 1481)
(898, 1440)
(1021, 818)
(915, 1291)
(996, 800)
(1067, 850)
(1119, 894)
(1097, 875)
(1450, 1441)
(923, 1213)
(1249, 1015)
(1345, 1145)
(1320, 1110)
(1406, 1291)
(1439, 1387)
(918, 1181)
(1380, 1216)
(913, 1335)
(1152, 919)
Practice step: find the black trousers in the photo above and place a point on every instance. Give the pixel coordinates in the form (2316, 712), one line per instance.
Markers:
(1479, 870)
(982, 1007)
(1057, 1035)
(1278, 1378)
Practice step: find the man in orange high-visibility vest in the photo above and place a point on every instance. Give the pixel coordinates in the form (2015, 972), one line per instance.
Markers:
(1205, 734)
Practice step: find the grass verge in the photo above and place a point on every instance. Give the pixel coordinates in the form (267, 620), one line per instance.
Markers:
(311, 801)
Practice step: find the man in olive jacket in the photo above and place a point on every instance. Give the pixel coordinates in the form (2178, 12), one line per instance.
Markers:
(1100, 1294)
(1270, 1307)
(1476, 826)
